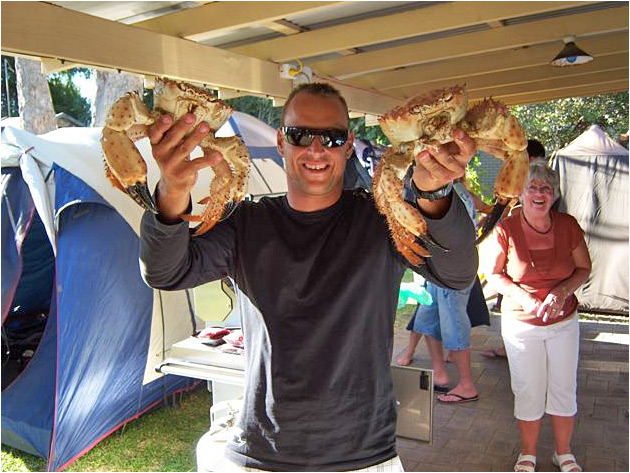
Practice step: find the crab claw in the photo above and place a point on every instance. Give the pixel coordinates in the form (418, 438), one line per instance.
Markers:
(429, 242)
(140, 193)
(491, 220)
(125, 167)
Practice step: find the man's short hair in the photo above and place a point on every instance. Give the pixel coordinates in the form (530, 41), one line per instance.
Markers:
(319, 89)
(535, 149)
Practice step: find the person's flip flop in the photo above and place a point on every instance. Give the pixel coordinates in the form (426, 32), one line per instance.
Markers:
(459, 398)
(440, 389)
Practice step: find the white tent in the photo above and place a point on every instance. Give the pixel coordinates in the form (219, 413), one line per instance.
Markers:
(593, 173)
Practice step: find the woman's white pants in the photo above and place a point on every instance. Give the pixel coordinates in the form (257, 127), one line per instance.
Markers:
(543, 366)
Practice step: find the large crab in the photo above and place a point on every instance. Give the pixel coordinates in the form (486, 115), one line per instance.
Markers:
(427, 120)
(128, 120)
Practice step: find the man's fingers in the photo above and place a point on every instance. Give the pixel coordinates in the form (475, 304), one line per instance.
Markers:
(177, 132)
(172, 141)
(209, 159)
(212, 157)
(188, 144)
(465, 144)
(157, 130)
(440, 165)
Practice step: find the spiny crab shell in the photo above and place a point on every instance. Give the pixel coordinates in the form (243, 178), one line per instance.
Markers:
(427, 120)
(129, 119)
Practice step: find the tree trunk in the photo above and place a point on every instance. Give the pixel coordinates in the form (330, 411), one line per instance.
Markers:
(109, 87)
(35, 104)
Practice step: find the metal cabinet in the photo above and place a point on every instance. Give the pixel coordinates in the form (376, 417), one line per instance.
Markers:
(413, 388)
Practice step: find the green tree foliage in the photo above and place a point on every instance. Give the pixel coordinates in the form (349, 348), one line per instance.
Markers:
(9, 91)
(259, 107)
(66, 96)
(373, 134)
(558, 122)
(474, 182)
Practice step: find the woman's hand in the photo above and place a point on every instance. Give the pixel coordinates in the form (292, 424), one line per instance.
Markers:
(551, 307)
(529, 303)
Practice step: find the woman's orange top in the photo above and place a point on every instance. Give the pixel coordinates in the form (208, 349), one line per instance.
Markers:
(539, 271)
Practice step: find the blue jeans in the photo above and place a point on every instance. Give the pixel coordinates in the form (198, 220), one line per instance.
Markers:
(445, 319)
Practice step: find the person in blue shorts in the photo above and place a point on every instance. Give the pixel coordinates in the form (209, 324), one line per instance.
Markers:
(446, 325)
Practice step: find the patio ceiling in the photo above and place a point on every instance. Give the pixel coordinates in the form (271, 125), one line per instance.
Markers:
(377, 53)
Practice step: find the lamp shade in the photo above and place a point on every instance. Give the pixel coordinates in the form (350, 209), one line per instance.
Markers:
(571, 55)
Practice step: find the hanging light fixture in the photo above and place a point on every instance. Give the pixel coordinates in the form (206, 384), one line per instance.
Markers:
(571, 55)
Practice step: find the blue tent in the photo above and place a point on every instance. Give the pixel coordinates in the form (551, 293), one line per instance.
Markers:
(86, 377)
(70, 259)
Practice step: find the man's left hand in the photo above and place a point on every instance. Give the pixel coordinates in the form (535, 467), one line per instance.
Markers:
(435, 169)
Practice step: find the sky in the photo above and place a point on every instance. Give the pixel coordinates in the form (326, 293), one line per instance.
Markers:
(86, 86)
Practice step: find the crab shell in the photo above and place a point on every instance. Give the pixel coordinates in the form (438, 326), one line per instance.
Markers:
(428, 118)
(129, 119)
(428, 121)
(180, 98)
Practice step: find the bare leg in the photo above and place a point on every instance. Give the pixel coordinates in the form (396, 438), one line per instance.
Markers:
(494, 352)
(530, 430)
(407, 356)
(440, 375)
(562, 433)
(465, 387)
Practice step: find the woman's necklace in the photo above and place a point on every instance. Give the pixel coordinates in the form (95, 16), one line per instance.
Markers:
(538, 231)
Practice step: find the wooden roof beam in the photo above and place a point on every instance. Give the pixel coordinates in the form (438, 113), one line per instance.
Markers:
(432, 19)
(203, 22)
(527, 75)
(465, 67)
(284, 27)
(546, 95)
(470, 44)
(42, 30)
(564, 85)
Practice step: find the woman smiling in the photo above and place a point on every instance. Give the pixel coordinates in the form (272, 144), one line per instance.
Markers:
(538, 258)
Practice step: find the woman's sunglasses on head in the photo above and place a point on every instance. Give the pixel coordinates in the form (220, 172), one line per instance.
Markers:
(329, 138)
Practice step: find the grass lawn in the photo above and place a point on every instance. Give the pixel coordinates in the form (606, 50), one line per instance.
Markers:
(162, 440)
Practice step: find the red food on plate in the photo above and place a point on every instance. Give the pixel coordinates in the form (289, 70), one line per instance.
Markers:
(213, 333)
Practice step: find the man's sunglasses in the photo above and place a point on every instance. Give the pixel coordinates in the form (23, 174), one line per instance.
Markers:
(329, 138)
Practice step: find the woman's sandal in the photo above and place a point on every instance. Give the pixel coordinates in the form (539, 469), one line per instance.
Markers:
(565, 462)
(520, 463)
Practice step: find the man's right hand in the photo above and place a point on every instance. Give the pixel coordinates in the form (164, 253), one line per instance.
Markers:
(178, 172)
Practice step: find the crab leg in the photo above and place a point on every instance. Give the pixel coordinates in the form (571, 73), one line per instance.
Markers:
(228, 184)
(497, 132)
(407, 226)
(405, 242)
(124, 162)
(507, 187)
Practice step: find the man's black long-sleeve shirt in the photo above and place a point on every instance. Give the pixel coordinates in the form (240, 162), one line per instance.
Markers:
(317, 293)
